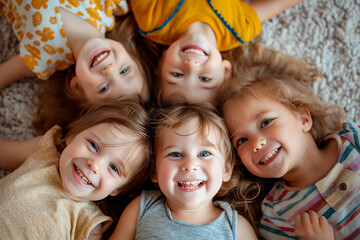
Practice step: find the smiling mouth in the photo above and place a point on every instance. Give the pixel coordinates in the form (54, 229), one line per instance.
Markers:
(99, 57)
(82, 177)
(191, 184)
(271, 156)
(194, 50)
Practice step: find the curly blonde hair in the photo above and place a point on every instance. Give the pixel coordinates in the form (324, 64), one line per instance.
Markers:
(239, 191)
(285, 79)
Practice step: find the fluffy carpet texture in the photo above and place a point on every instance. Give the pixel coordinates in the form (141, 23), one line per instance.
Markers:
(324, 32)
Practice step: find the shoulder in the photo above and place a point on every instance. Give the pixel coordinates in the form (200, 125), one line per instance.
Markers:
(244, 229)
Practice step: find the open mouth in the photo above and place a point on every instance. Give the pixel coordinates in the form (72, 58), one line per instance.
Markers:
(82, 177)
(99, 56)
(194, 49)
(270, 157)
(190, 185)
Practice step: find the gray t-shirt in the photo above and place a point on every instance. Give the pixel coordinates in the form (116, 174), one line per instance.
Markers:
(155, 221)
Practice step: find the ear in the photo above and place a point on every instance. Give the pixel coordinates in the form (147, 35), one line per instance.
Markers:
(154, 178)
(115, 192)
(68, 140)
(305, 118)
(228, 69)
(75, 87)
(228, 171)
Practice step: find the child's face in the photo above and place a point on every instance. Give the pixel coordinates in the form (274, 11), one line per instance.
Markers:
(105, 71)
(189, 170)
(91, 169)
(192, 70)
(269, 138)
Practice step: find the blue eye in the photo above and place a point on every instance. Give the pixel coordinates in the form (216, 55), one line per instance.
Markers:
(204, 154)
(265, 122)
(175, 74)
(114, 168)
(205, 79)
(93, 145)
(105, 88)
(124, 70)
(175, 154)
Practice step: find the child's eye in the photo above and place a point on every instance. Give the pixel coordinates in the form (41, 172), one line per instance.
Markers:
(241, 141)
(175, 74)
(93, 145)
(175, 154)
(204, 154)
(265, 122)
(204, 79)
(125, 70)
(114, 168)
(105, 88)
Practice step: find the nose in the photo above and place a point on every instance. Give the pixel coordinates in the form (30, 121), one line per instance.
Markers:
(259, 144)
(191, 62)
(189, 164)
(94, 165)
(108, 69)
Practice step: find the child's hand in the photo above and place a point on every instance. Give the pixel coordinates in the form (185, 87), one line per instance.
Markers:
(309, 226)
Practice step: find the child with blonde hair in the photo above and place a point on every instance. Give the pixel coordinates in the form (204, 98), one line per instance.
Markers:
(60, 176)
(281, 129)
(55, 35)
(193, 165)
(192, 69)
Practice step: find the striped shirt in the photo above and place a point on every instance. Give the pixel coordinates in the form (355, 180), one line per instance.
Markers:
(336, 196)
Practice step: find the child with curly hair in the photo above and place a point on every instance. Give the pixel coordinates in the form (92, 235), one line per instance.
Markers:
(281, 129)
(194, 164)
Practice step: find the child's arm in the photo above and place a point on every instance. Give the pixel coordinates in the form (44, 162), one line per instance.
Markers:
(14, 153)
(244, 229)
(126, 227)
(12, 70)
(309, 226)
(267, 9)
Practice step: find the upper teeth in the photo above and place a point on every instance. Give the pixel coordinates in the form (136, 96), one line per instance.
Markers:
(191, 185)
(83, 178)
(197, 51)
(269, 156)
(99, 57)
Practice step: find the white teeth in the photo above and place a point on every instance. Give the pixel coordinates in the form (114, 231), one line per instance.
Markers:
(83, 178)
(99, 57)
(197, 51)
(269, 156)
(191, 185)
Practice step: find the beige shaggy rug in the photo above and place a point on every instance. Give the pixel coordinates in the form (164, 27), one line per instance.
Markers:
(326, 32)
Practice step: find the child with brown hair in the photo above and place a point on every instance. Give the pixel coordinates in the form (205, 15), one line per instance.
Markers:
(281, 129)
(192, 69)
(58, 176)
(194, 164)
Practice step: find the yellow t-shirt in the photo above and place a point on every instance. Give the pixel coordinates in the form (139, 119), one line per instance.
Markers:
(33, 204)
(234, 22)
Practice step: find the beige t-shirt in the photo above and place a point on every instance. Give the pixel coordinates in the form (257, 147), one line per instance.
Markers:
(33, 204)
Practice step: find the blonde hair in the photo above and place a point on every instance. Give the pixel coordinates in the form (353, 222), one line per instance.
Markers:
(239, 191)
(287, 80)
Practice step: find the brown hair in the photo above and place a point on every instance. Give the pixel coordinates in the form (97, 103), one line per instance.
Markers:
(56, 102)
(287, 80)
(239, 191)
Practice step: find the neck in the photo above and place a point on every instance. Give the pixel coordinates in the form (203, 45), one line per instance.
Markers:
(77, 31)
(206, 214)
(315, 165)
(202, 29)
